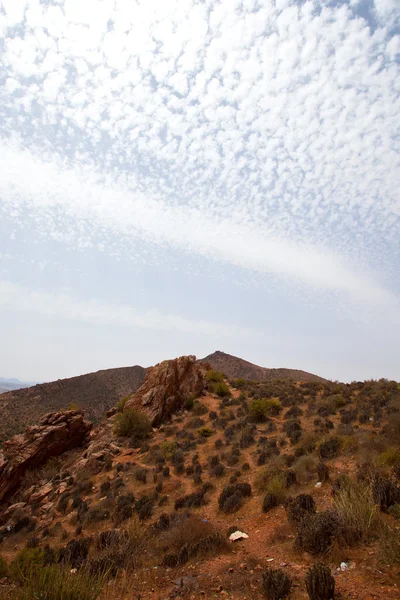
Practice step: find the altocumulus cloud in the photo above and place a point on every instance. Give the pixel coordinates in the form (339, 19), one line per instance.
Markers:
(259, 135)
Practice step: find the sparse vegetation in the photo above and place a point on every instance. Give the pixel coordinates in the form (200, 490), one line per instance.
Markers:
(261, 408)
(133, 424)
(276, 584)
(319, 583)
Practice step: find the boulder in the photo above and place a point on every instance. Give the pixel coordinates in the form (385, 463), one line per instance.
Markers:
(166, 387)
(56, 433)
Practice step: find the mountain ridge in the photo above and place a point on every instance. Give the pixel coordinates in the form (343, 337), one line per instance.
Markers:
(234, 368)
(95, 393)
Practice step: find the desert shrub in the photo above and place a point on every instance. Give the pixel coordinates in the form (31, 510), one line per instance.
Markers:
(290, 478)
(341, 483)
(231, 497)
(292, 426)
(316, 532)
(390, 456)
(305, 468)
(120, 405)
(246, 439)
(144, 508)
(385, 493)
(195, 423)
(329, 448)
(269, 502)
(217, 471)
(193, 500)
(220, 389)
(299, 508)
(124, 508)
(95, 514)
(199, 408)
(189, 402)
(75, 552)
(171, 560)
(214, 376)
(276, 584)
(261, 408)
(28, 560)
(60, 584)
(322, 472)
(205, 432)
(4, 571)
(348, 443)
(63, 502)
(319, 583)
(24, 522)
(109, 538)
(141, 475)
(277, 486)
(390, 546)
(356, 514)
(133, 424)
(292, 412)
(394, 510)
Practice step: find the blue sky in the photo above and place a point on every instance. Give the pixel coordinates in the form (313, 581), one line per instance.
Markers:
(179, 177)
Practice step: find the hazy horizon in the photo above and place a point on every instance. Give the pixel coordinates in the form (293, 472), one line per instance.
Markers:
(179, 177)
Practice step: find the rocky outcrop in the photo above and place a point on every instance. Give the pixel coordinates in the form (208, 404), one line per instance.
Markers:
(56, 433)
(166, 387)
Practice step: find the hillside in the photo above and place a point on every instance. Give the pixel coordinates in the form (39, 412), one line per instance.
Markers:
(8, 385)
(235, 368)
(310, 478)
(95, 393)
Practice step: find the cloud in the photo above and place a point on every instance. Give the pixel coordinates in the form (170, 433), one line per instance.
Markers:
(263, 137)
(62, 306)
(100, 204)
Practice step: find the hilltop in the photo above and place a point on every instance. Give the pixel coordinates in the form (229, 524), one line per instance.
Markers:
(95, 393)
(148, 498)
(238, 368)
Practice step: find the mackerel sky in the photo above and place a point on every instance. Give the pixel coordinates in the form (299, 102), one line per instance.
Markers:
(182, 176)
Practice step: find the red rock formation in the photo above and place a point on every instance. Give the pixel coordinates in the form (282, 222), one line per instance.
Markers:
(166, 387)
(57, 433)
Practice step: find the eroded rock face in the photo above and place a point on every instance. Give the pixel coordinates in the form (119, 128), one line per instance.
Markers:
(166, 387)
(56, 433)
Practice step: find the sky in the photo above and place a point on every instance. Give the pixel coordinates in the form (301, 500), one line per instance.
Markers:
(182, 176)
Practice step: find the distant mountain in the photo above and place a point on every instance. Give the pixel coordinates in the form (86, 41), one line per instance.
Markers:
(95, 393)
(235, 368)
(14, 384)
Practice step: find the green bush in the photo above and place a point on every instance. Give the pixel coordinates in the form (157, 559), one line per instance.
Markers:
(189, 402)
(55, 583)
(3, 567)
(305, 468)
(395, 511)
(121, 404)
(390, 546)
(214, 376)
(168, 449)
(205, 432)
(221, 389)
(277, 487)
(27, 562)
(261, 408)
(239, 383)
(390, 457)
(132, 423)
(356, 513)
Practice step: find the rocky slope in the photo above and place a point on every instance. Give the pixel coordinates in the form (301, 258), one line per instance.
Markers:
(234, 368)
(314, 478)
(56, 433)
(94, 393)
